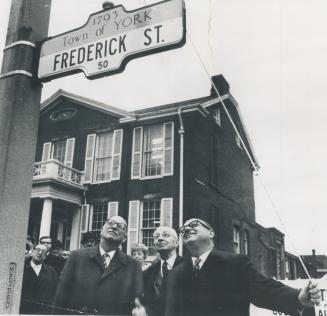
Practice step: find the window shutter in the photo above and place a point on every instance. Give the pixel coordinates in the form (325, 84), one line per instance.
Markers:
(89, 156)
(69, 154)
(133, 224)
(46, 151)
(137, 153)
(166, 212)
(84, 218)
(116, 154)
(112, 209)
(168, 148)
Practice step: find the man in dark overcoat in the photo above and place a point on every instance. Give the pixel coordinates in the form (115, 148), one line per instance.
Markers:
(39, 284)
(215, 283)
(165, 240)
(100, 279)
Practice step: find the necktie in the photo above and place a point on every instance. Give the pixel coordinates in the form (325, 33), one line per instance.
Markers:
(106, 259)
(196, 267)
(164, 270)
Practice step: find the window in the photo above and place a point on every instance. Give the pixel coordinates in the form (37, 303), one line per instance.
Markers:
(100, 212)
(103, 157)
(143, 218)
(246, 241)
(99, 215)
(59, 150)
(150, 220)
(278, 261)
(217, 115)
(213, 175)
(236, 239)
(62, 150)
(152, 151)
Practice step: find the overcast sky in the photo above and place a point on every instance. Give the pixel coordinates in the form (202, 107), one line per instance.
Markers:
(273, 54)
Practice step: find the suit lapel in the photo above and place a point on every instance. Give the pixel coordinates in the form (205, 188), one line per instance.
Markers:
(116, 263)
(95, 254)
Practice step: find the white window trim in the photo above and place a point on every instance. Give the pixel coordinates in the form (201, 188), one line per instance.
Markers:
(115, 155)
(171, 148)
(138, 176)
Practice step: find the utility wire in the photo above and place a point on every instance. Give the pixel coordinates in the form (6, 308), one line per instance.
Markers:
(254, 166)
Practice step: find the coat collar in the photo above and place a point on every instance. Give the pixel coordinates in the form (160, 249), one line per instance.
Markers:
(119, 260)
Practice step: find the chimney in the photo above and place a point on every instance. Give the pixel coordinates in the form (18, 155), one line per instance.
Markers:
(221, 84)
(313, 252)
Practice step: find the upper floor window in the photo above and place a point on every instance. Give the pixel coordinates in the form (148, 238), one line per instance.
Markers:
(103, 157)
(143, 218)
(62, 150)
(246, 242)
(236, 239)
(153, 151)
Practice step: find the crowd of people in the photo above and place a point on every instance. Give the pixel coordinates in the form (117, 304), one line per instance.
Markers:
(102, 279)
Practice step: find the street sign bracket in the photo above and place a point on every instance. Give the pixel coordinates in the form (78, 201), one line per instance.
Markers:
(26, 43)
(16, 72)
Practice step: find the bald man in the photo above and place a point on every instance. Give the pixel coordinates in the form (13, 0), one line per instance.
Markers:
(165, 241)
(100, 279)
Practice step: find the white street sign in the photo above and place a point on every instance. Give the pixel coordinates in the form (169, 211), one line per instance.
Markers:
(111, 38)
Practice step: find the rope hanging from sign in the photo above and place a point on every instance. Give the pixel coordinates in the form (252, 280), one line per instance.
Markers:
(254, 166)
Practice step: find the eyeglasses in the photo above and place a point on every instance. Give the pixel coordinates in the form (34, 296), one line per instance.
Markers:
(112, 223)
(193, 225)
(163, 234)
(44, 252)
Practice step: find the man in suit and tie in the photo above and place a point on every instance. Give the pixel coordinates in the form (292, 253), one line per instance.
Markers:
(100, 279)
(165, 241)
(39, 284)
(217, 283)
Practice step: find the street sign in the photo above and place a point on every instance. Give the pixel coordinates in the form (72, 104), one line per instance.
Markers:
(110, 38)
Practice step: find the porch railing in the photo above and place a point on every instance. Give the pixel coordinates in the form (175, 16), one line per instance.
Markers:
(55, 170)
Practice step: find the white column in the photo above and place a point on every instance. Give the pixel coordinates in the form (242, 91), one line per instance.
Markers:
(60, 231)
(46, 218)
(75, 234)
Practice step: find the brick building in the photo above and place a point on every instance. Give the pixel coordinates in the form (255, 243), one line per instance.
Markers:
(315, 264)
(159, 165)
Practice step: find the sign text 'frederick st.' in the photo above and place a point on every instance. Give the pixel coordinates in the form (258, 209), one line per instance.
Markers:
(110, 38)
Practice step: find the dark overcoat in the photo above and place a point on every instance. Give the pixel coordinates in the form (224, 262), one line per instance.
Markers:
(38, 291)
(226, 285)
(154, 301)
(87, 286)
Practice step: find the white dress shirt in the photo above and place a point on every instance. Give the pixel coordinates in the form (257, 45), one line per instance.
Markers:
(110, 253)
(36, 267)
(203, 258)
(170, 263)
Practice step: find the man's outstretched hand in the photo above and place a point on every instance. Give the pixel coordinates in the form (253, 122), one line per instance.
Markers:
(310, 295)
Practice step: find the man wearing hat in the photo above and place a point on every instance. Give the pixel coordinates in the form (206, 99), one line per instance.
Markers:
(217, 283)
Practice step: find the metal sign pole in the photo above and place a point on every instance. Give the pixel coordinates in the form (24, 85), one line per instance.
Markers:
(20, 95)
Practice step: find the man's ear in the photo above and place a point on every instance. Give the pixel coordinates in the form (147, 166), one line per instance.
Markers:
(212, 234)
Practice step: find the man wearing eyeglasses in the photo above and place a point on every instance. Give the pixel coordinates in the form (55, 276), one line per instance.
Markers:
(39, 284)
(165, 240)
(216, 283)
(100, 279)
